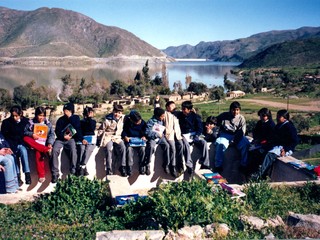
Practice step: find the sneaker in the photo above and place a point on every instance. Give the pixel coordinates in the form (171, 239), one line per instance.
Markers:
(166, 169)
(174, 172)
(129, 170)
(148, 170)
(20, 182)
(142, 170)
(85, 171)
(54, 178)
(190, 170)
(123, 171)
(109, 171)
(28, 178)
(41, 180)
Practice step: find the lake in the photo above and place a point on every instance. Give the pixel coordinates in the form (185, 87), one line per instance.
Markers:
(207, 72)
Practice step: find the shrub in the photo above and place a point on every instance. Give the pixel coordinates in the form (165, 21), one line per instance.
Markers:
(74, 200)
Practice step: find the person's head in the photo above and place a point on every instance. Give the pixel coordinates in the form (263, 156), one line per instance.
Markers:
(186, 107)
(40, 114)
(264, 114)
(88, 112)
(16, 113)
(135, 117)
(170, 106)
(235, 108)
(159, 113)
(68, 109)
(282, 116)
(117, 111)
(211, 122)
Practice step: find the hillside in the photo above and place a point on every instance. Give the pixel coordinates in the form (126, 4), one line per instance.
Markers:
(291, 53)
(53, 32)
(240, 49)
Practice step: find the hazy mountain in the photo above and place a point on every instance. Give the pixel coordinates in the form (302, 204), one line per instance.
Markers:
(240, 49)
(291, 53)
(58, 33)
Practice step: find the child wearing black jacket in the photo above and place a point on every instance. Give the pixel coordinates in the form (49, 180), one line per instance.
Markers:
(88, 127)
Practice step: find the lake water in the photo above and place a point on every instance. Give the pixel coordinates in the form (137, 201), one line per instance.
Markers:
(207, 72)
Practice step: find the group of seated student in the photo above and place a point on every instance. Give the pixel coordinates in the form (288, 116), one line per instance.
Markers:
(120, 135)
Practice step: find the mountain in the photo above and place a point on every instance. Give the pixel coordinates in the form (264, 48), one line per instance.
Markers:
(240, 49)
(54, 32)
(291, 53)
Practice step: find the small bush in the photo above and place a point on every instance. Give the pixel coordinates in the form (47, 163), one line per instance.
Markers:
(74, 200)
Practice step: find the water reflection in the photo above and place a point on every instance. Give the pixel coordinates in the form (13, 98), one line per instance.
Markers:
(210, 73)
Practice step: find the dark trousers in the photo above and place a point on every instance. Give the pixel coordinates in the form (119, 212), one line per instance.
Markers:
(70, 148)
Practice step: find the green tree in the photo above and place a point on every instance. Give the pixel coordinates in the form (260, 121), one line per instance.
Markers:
(117, 87)
(216, 93)
(145, 71)
(197, 88)
(5, 98)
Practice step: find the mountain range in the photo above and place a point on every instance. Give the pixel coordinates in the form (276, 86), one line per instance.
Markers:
(55, 32)
(240, 49)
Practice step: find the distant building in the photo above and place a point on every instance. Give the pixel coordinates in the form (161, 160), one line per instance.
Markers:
(235, 94)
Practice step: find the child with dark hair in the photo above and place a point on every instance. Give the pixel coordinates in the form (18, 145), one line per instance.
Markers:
(174, 139)
(109, 137)
(68, 132)
(134, 128)
(41, 141)
(12, 129)
(284, 141)
(210, 130)
(155, 135)
(262, 137)
(86, 147)
(232, 129)
(8, 166)
(191, 125)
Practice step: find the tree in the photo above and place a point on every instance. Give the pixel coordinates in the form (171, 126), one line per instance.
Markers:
(177, 86)
(117, 87)
(5, 98)
(145, 71)
(197, 88)
(164, 76)
(216, 93)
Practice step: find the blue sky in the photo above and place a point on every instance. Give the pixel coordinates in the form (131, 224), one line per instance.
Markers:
(164, 23)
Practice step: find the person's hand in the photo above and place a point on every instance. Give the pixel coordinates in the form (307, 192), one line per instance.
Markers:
(126, 139)
(67, 137)
(3, 151)
(282, 152)
(84, 142)
(144, 138)
(2, 169)
(35, 136)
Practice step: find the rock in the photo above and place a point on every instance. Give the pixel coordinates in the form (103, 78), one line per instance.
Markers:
(222, 230)
(254, 222)
(193, 232)
(270, 236)
(306, 221)
(130, 235)
(275, 222)
(217, 230)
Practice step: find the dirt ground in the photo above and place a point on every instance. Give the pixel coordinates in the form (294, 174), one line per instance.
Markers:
(312, 106)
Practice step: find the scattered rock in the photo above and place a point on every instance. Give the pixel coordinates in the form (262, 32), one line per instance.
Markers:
(193, 232)
(306, 221)
(254, 222)
(130, 235)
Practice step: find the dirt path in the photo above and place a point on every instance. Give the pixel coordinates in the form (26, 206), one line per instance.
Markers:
(313, 106)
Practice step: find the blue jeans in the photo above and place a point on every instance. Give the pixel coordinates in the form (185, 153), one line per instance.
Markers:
(10, 173)
(222, 143)
(22, 153)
